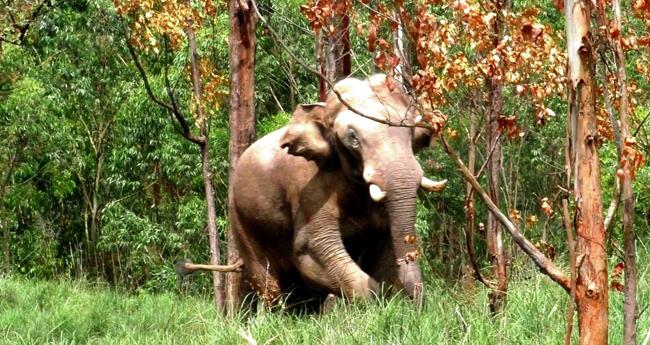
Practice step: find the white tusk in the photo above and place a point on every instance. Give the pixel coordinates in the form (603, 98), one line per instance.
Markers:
(376, 193)
(433, 186)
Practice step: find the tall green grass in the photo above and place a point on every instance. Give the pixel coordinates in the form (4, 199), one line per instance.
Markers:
(74, 312)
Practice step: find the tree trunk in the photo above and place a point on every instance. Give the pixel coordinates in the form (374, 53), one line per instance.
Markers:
(630, 311)
(242, 114)
(320, 65)
(204, 145)
(6, 236)
(591, 285)
(403, 69)
(95, 225)
(339, 65)
(469, 200)
(6, 240)
(494, 233)
(215, 255)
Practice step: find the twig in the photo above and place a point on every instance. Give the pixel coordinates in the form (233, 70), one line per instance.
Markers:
(641, 124)
(489, 156)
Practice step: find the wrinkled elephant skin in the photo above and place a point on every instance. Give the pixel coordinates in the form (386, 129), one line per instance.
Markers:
(327, 203)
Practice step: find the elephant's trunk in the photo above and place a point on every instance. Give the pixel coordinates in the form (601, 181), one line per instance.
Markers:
(402, 184)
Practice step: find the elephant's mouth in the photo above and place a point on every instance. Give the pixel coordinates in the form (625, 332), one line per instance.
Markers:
(378, 194)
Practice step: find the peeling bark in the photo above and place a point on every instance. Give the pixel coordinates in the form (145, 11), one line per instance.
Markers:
(591, 285)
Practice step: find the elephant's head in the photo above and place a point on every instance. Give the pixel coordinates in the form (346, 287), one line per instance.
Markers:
(379, 155)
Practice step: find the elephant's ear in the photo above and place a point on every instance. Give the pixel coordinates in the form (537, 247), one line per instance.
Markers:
(307, 133)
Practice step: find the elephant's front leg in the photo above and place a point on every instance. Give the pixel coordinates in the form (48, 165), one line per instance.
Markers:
(321, 258)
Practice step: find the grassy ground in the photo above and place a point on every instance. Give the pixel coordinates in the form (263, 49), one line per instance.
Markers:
(69, 312)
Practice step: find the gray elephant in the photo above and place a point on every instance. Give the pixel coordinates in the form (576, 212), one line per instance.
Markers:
(327, 203)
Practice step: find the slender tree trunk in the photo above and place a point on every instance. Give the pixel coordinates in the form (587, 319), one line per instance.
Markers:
(215, 255)
(344, 67)
(591, 285)
(338, 63)
(494, 233)
(403, 69)
(242, 114)
(469, 201)
(320, 65)
(95, 225)
(206, 171)
(630, 311)
(6, 236)
(6, 239)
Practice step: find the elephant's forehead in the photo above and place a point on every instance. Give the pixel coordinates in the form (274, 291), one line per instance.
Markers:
(372, 109)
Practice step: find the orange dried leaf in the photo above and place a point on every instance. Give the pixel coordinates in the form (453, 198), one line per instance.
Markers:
(618, 269)
(617, 286)
(515, 215)
(372, 37)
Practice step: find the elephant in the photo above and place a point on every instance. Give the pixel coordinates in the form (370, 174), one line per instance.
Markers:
(326, 205)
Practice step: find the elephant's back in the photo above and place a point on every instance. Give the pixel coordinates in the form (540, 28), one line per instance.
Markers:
(264, 180)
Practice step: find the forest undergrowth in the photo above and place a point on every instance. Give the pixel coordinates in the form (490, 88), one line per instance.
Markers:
(81, 312)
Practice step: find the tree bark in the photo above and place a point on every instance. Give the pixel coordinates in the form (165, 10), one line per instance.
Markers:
(591, 284)
(470, 213)
(339, 64)
(403, 69)
(6, 240)
(242, 114)
(493, 147)
(6, 236)
(630, 309)
(206, 171)
(320, 65)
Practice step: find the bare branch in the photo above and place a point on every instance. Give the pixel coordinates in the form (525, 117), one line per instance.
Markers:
(545, 265)
(171, 108)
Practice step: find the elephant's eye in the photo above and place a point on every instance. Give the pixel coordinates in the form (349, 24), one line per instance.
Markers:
(353, 139)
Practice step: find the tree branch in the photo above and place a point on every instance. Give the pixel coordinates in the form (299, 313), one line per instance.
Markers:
(545, 265)
(171, 108)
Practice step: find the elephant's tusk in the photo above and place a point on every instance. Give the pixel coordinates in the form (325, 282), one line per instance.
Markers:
(376, 193)
(433, 186)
